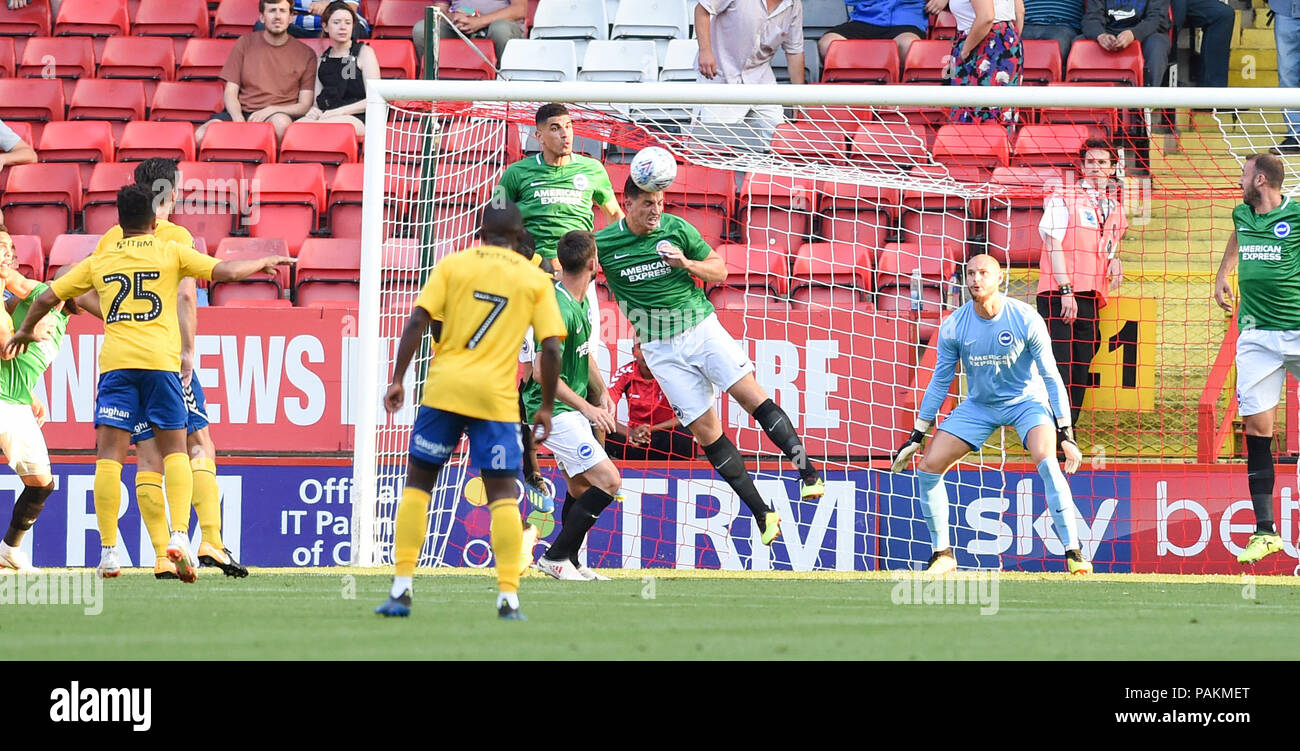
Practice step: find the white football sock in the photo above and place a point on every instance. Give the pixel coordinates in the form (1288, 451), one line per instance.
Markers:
(400, 585)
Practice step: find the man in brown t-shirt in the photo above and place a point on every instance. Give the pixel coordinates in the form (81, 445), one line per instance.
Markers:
(270, 76)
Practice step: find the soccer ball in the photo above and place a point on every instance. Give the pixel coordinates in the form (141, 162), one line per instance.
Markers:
(653, 169)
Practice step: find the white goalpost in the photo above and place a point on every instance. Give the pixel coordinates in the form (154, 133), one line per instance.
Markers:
(845, 228)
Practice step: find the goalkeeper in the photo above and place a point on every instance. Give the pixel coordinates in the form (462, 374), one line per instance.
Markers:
(1006, 353)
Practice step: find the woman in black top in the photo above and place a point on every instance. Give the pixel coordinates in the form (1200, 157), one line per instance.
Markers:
(342, 71)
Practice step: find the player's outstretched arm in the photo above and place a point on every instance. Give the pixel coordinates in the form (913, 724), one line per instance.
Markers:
(26, 334)
(1222, 285)
(416, 325)
(548, 375)
(235, 270)
(18, 285)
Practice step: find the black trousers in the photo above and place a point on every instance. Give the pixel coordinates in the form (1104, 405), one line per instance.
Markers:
(664, 445)
(1073, 344)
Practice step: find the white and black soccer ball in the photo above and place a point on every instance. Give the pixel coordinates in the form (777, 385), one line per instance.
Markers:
(653, 169)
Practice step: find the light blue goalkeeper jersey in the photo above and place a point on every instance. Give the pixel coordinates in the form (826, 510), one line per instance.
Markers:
(1007, 359)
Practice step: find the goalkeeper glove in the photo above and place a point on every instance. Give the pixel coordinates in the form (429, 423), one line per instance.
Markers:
(540, 492)
(1073, 456)
(910, 446)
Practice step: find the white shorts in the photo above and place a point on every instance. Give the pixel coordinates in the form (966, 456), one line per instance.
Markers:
(574, 444)
(691, 366)
(1263, 359)
(21, 440)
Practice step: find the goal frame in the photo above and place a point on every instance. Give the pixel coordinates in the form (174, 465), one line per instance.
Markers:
(380, 92)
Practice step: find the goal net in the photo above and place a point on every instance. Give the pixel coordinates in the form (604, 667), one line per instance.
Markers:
(845, 215)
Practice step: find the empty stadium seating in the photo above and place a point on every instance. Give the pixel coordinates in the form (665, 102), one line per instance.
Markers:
(260, 286)
(33, 20)
(143, 139)
(328, 144)
(80, 143)
(1049, 145)
(1013, 216)
(252, 143)
(286, 202)
(539, 60)
(213, 197)
(328, 270)
(66, 59)
(397, 57)
(458, 60)
(235, 18)
(855, 213)
(146, 59)
(679, 60)
(69, 250)
(777, 210)
(189, 101)
(831, 274)
(701, 196)
(100, 206)
(180, 20)
(980, 145)
(576, 20)
(659, 20)
(8, 57)
(755, 276)
(30, 255)
(924, 63)
(116, 101)
(98, 19)
(203, 59)
(396, 19)
(1041, 63)
(622, 61)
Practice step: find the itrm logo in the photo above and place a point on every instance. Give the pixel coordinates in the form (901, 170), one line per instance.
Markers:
(76, 704)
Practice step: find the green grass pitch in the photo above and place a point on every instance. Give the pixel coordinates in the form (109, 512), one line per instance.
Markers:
(279, 614)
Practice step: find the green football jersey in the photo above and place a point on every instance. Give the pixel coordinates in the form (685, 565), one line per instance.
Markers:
(19, 376)
(555, 200)
(574, 368)
(658, 300)
(1268, 266)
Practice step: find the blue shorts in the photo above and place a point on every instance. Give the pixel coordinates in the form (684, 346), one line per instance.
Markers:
(495, 448)
(974, 423)
(127, 398)
(196, 413)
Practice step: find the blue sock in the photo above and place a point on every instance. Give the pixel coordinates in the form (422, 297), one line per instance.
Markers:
(934, 501)
(1060, 503)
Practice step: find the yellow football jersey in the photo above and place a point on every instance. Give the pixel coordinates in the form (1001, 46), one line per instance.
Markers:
(165, 231)
(136, 279)
(486, 297)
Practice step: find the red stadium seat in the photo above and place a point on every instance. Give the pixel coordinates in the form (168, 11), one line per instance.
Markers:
(328, 270)
(100, 206)
(981, 145)
(179, 19)
(64, 59)
(234, 18)
(1014, 215)
(702, 196)
(343, 209)
(329, 144)
(244, 302)
(457, 60)
(856, 213)
(396, 19)
(861, 61)
(143, 139)
(1101, 121)
(251, 143)
(31, 21)
(93, 18)
(8, 59)
(402, 271)
(396, 57)
(80, 142)
(188, 101)
(70, 250)
(811, 140)
(117, 101)
(924, 63)
(23, 130)
(1089, 62)
(458, 193)
(150, 60)
(1042, 62)
(777, 210)
(287, 202)
(831, 274)
(888, 146)
(944, 26)
(203, 59)
(754, 276)
(31, 257)
(212, 200)
(261, 286)
(1049, 145)
(932, 267)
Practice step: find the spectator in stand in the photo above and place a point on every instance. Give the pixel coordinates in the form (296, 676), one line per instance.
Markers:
(342, 72)
(308, 18)
(1115, 24)
(16, 150)
(987, 52)
(1059, 21)
(904, 21)
(270, 76)
(1215, 20)
(498, 20)
(738, 39)
(1286, 32)
(652, 431)
(1082, 226)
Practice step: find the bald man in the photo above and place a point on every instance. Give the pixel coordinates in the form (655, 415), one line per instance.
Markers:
(1006, 354)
